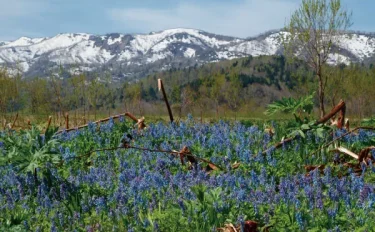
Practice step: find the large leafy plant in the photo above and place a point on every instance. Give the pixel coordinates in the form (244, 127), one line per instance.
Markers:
(29, 151)
(292, 106)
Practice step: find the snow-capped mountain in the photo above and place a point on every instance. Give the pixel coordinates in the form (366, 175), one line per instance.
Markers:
(136, 55)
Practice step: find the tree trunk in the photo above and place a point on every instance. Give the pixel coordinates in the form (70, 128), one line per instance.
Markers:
(321, 94)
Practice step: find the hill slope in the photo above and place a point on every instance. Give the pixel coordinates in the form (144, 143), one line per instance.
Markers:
(135, 55)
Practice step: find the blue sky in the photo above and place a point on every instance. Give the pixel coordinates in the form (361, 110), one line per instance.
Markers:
(241, 18)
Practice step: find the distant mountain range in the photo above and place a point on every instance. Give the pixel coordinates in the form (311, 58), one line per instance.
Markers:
(127, 56)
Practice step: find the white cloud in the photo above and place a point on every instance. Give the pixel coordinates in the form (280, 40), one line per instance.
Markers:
(243, 19)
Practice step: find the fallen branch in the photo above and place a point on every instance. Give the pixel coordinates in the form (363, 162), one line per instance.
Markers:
(339, 107)
(184, 152)
(248, 226)
(278, 145)
(342, 136)
(363, 154)
(347, 152)
(140, 122)
(310, 168)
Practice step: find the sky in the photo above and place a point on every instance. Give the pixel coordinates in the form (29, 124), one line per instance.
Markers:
(239, 18)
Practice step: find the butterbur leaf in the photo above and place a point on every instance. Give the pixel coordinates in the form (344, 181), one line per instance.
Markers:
(50, 133)
(300, 132)
(305, 127)
(320, 132)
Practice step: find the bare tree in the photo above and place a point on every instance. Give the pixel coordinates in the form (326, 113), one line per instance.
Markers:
(312, 31)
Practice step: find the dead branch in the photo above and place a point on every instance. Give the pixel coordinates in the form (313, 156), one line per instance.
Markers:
(310, 168)
(278, 145)
(342, 136)
(339, 107)
(249, 226)
(14, 121)
(140, 122)
(347, 152)
(363, 154)
(185, 152)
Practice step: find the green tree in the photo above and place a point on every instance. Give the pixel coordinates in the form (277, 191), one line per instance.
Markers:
(312, 31)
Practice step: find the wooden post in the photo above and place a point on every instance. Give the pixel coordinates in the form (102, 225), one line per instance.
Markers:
(161, 87)
(48, 123)
(28, 123)
(67, 121)
(14, 122)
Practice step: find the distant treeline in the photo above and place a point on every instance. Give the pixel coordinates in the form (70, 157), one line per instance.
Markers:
(235, 87)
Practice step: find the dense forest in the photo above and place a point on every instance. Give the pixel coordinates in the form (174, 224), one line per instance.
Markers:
(240, 87)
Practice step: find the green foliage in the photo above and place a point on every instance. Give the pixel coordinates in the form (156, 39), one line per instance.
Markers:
(292, 106)
(31, 151)
(314, 28)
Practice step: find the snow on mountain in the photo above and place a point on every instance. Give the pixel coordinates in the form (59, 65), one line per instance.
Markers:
(337, 58)
(139, 54)
(189, 52)
(23, 41)
(361, 46)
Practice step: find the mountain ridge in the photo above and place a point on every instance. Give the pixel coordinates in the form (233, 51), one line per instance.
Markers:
(127, 56)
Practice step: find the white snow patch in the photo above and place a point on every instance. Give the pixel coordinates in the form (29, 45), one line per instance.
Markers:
(158, 56)
(226, 55)
(189, 53)
(127, 55)
(115, 40)
(334, 59)
(360, 45)
(160, 46)
(23, 41)
(84, 52)
(24, 66)
(144, 43)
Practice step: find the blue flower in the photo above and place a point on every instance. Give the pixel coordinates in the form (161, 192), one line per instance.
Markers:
(299, 220)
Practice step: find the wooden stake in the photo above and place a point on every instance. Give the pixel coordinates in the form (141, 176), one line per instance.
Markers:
(48, 123)
(161, 87)
(14, 122)
(67, 121)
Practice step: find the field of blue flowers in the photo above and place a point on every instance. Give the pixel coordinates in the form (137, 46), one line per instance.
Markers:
(53, 182)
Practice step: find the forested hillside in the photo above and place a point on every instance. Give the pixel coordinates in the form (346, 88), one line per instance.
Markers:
(239, 87)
